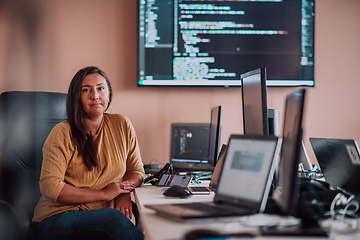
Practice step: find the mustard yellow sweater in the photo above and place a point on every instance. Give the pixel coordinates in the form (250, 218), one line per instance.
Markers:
(119, 154)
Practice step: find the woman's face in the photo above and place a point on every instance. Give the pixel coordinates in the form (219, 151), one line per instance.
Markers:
(94, 95)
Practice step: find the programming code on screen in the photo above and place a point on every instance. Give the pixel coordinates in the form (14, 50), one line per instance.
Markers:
(184, 42)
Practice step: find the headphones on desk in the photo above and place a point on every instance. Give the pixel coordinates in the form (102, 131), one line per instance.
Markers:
(168, 168)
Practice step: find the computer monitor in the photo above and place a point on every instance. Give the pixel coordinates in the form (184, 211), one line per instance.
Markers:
(189, 146)
(254, 102)
(304, 158)
(217, 170)
(214, 138)
(287, 189)
(210, 43)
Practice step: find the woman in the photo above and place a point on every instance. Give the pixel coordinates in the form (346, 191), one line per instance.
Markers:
(91, 163)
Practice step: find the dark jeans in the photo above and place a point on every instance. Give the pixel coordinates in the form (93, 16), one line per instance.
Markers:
(99, 224)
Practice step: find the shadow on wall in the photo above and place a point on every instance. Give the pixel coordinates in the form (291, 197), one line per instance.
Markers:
(21, 21)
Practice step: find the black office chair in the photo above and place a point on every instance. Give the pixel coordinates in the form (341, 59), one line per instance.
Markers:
(26, 119)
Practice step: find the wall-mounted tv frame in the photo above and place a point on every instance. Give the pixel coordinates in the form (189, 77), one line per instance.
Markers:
(211, 43)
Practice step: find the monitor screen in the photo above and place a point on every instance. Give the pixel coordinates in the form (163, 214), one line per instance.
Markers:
(189, 146)
(304, 158)
(286, 194)
(210, 43)
(218, 167)
(214, 139)
(254, 102)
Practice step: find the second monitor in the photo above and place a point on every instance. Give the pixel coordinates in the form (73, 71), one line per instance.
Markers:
(254, 102)
(257, 118)
(195, 146)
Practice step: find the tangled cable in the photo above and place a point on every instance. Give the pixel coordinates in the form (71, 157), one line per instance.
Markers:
(338, 221)
(341, 199)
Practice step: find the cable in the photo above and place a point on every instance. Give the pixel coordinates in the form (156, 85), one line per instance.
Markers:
(336, 201)
(155, 176)
(338, 221)
(350, 202)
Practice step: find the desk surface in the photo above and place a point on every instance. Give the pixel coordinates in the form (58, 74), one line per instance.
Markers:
(160, 228)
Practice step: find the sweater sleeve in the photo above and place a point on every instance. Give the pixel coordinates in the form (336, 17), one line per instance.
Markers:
(134, 161)
(57, 152)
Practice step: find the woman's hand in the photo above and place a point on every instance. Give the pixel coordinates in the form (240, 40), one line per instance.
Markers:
(123, 203)
(116, 188)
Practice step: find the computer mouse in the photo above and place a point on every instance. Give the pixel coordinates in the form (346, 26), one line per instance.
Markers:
(207, 233)
(177, 192)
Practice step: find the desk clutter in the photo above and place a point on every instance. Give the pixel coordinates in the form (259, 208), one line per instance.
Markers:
(267, 175)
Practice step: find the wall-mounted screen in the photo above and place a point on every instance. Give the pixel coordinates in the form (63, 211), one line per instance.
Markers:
(211, 43)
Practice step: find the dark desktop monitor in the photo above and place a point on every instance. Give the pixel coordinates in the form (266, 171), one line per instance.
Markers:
(254, 102)
(214, 139)
(287, 192)
(189, 146)
(217, 170)
(287, 189)
(195, 146)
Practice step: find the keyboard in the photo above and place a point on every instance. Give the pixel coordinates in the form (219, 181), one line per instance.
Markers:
(196, 189)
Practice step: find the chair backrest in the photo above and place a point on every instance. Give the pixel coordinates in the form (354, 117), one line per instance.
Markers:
(26, 118)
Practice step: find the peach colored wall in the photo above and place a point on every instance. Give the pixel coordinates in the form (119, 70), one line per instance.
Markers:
(43, 43)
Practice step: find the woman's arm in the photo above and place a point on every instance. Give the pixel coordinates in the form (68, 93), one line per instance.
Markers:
(134, 178)
(74, 195)
(134, 169)
(123, 201)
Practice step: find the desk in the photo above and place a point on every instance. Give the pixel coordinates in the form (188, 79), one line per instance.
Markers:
(159, 228)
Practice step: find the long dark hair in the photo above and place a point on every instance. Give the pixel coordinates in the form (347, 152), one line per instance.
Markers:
(76, 116)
